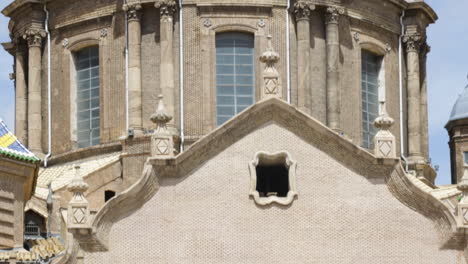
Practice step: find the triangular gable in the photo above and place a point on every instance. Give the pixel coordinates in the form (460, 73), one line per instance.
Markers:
(288, 117)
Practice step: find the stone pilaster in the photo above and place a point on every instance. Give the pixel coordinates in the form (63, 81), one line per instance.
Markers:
(167, 10)
(34, 38)
(271, 86)
(134, 67)
(302, 11)
(332, 18)
(21, 114)
(162, 143)
(413, 42)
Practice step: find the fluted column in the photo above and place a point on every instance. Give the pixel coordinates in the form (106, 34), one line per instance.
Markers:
(333, 77)
(134, 67)
(302, 13)
(412, 42)
(167, 10)
(34, 38)
(21, 114)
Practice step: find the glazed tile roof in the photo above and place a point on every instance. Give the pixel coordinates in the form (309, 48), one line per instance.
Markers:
(12, 148)
(43, 248)
(60, 175)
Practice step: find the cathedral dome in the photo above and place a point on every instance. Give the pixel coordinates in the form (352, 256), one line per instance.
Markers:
(460, 109)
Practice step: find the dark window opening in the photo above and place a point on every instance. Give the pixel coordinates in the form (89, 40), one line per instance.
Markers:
(34, 225)
(108, 195)
(272, 179)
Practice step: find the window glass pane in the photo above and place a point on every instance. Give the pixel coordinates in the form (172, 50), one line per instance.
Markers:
(465, 154)
(234, 74)
(225, 90)
(87, 79)
(225, 100)
(244, 100)
(370, 99)
(225, 110)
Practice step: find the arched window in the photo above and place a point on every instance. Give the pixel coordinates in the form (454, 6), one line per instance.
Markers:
(371, 73)
(235, 87)
(87, 98)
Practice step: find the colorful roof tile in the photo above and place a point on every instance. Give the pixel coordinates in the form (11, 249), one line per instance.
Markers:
(11, 147)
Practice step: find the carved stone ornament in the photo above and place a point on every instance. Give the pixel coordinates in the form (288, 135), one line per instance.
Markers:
(271, 78)
(412, 42)
(207, 22)
(78, 207)
(65, 42)
(34, 36)
(462, 215)
(133, 11)
(384, 140)
(162, 143)
(166, 7)
(302, 9)
(332, 15)
(261, 23)
(283, 158)
(103, 32)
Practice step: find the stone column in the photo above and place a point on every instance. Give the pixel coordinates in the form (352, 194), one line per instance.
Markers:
(412, 42)
(333, 53)
(302, 13)
(134, 68)
(425, 49)
(167, 10)
(21, 116)
(34, 38)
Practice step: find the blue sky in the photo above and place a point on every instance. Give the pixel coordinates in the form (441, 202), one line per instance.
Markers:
(447, 71)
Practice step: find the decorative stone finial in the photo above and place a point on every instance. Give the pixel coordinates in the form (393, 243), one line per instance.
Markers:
(162, 143)
(77, 184)
(78, 207)
(462, 216)
(271, 78)
(384, 140)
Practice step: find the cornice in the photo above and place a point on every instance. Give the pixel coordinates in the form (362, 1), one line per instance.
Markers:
(426, 9)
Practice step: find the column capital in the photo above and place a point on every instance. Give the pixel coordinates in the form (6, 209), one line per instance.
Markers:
(166, 7)
(332, 14)
(34, 37)
(413, 42)
(133, 11)
(302, 9)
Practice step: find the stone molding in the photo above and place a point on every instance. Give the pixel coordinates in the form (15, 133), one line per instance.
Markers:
(34, 37)
(302, 9)
(133, 11)
(291, 164)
